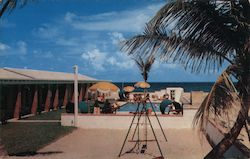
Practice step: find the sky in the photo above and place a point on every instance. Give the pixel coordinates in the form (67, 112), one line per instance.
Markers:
(55, 35)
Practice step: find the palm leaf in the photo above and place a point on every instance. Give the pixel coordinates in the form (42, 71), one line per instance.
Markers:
(191, 54)
(9, 5)
(218, 103)
(198, 34)
(215, 20)
(144, 66)
(140, 63)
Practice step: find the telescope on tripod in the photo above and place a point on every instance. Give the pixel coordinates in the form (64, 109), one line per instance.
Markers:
(141, 120)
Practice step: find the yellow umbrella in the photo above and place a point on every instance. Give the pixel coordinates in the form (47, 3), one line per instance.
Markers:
(104, 87)
(129, 88)
(142, 84)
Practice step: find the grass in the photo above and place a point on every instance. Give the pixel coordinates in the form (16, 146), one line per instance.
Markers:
(23, 139)
(27, 138)
(52, 115)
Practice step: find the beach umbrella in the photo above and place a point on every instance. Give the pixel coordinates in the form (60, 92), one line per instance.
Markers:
(129, 89)
(104, 87)
(142, 84)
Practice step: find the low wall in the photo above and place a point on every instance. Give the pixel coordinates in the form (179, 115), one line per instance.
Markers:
(197, 98)
(122, 121)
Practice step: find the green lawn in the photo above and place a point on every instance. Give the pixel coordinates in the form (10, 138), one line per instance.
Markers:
(52, 115)
(27, 138)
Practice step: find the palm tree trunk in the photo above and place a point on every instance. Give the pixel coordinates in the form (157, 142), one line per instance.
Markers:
(229, 139)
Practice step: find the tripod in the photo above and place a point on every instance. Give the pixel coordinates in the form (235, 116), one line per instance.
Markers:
(139, 113)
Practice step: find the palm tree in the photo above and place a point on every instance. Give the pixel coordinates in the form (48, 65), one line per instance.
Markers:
(203, 36)
(144, 66)
(9, 5)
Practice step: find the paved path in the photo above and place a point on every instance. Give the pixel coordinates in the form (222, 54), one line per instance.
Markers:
(106, 144)
(35, 121)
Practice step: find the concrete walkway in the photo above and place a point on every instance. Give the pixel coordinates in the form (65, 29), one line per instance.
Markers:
(106, 144)
(35, 121)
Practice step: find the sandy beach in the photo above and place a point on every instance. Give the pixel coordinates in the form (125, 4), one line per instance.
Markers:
(106, 144)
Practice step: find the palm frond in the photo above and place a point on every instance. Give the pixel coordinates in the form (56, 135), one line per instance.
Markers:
(198, 34)
(191, 54)
(10, 5)
(144, 66)
(218, 102)
(139, 62)
(225, 22)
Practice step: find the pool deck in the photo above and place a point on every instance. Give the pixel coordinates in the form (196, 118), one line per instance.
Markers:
(122, 120)
(106, 144)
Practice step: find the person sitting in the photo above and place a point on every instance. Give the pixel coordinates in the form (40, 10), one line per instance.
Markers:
(70, 107)
(122, 96)
(99, 102)
(136, 98)
(107, 107)
(165, 104)
(131, 98)
(177, 107)
(101, 98)
(115, 107)
(97, 107)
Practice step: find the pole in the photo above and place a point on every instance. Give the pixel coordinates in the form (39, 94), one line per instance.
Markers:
(76, 95)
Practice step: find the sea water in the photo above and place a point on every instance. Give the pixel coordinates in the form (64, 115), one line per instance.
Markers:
(187, 86)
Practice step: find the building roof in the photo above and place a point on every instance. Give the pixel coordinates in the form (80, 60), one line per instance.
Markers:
(33, 76)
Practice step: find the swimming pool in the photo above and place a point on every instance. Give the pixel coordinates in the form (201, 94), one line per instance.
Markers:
(131, 107)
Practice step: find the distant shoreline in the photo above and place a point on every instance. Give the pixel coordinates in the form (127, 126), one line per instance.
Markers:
(187, 86)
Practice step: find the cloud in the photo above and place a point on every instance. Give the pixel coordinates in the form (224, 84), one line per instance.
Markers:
(4, 47)
(72, 33)
(4, 23)
(19, 48)
(67, 42)
(160, 64)
(120, 63)
(112, 61)
(96, 58)
(22, 47)
(69, 17)
(42, 54)
(124, 61)
(116, 37)
(127, 20)
(46, 31)
(99, 60)
(93, 38)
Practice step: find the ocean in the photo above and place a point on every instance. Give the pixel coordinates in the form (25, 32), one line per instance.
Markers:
(187, 86)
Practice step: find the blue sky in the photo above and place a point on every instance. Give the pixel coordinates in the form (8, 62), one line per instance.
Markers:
(55, 35)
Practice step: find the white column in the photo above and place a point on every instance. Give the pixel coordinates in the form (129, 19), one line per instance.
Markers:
(76, 95)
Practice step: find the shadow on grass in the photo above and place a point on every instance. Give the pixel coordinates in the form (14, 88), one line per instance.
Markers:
(32, 153)
(30, 137)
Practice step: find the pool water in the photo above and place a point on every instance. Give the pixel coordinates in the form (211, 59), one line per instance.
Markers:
(131, 107)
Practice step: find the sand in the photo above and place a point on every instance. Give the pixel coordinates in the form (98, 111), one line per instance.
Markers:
(106, 144)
